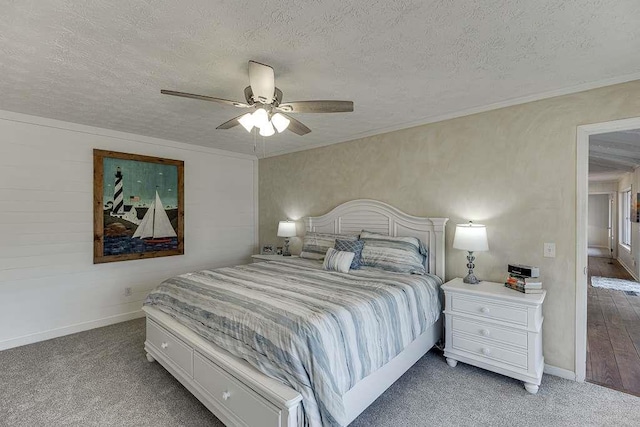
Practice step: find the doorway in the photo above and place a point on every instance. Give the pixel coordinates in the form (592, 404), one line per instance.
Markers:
(608, 255)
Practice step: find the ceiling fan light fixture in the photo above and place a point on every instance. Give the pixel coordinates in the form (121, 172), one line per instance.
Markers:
(267, 129)
(247, 121)
(280, 122)
(260, 118)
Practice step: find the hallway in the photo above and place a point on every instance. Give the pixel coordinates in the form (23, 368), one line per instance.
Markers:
(613, 331)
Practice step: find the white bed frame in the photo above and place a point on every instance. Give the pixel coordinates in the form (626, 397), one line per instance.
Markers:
(240, 395)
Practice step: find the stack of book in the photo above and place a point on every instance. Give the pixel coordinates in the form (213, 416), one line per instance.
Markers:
(524, 284)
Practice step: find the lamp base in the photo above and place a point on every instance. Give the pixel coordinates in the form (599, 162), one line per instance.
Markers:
(471, 279)
(285, 251)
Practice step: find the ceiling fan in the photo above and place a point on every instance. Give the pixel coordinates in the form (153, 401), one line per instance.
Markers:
(265, 99)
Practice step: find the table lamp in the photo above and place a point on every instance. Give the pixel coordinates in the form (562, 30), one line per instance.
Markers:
(472, 238)
(286, 229)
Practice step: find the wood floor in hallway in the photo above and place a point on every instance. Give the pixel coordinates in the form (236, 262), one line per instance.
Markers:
(613, 331)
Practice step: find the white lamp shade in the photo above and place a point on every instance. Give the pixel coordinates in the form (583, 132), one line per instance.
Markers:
(267, 129)
(280, 122)
(260, 118)
(286, 229)
(471, 237)
(247, 121)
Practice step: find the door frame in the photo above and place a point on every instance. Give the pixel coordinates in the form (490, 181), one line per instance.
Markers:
(582, 198)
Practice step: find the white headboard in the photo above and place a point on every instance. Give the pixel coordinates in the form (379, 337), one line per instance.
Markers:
(371, 215)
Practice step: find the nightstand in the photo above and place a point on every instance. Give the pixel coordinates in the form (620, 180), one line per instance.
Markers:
(495, 328)
(263, 258)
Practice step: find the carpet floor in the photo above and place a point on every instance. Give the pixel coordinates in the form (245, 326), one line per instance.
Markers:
(101, 378)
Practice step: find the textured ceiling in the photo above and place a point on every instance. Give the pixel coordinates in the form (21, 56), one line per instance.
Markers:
(103, 63)
(613, 154)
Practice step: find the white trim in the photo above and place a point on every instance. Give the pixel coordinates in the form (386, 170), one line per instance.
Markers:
(626, 267)
(92, 130)
(67, 330)
(256, 211)
(473, 110)
(559, 372)
(582, 195)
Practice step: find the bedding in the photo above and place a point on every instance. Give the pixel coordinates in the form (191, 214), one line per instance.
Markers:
(337, 261)
(320, 332)
(399, 254)
(315, 245)
(351, 246)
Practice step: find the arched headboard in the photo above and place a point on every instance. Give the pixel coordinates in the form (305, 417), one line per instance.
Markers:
(356, 215)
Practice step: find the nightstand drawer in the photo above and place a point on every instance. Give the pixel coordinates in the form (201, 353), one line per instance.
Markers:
(484, 308)
(487, 350)
(510, 337)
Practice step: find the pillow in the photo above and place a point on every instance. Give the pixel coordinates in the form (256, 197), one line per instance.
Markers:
(354, 246)
(399, 254)
(315, 245)
(337, 260)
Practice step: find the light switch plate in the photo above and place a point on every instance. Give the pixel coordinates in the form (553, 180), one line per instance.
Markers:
(549, 250)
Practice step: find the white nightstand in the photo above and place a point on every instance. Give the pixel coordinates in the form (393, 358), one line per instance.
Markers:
(263, 258)
(495, 328)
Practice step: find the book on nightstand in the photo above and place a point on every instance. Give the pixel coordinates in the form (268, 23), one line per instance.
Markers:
(526, 285)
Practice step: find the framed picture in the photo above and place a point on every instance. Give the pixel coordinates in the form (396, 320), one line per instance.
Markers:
(138, 206)
(267, 250)
(279, 250)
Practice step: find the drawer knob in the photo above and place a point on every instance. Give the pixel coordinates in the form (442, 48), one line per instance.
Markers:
(486, 351)
(164, 345)
(226, 395)
(485, 310)
(485, 332)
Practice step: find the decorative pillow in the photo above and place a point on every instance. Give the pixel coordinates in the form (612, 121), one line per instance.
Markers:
(337, 260)
(354, 246)
(399, 254)
(315, 245)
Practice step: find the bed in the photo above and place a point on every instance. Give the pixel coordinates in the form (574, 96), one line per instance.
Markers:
(224, 377)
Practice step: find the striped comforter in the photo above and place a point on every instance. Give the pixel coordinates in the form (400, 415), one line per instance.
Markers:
(319, 332)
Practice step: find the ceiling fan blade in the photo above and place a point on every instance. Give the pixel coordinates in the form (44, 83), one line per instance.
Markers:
(262, 81)
(297, 126)
(230, 123)
(317, 107)
(204, 98)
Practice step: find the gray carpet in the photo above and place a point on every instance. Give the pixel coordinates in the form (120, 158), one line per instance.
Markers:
(101, 378)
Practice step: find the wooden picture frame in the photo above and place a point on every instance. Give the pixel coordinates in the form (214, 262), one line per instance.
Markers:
(136, 230)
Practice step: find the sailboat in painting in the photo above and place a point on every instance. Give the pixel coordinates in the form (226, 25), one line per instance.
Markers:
(155, 227)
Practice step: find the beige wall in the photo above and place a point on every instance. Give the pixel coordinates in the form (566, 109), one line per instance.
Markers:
(513, 169)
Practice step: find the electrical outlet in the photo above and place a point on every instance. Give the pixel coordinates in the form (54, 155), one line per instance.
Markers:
(127, 292)
(549, 250)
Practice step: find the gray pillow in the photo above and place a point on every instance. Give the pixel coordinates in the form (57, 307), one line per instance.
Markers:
(315, 245)
(399, 254)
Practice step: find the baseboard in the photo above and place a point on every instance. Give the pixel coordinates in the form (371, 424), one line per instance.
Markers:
(68, 330)
(559, 372)
(628, 269)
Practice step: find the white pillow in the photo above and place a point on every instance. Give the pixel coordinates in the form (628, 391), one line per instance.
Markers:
(337, 260)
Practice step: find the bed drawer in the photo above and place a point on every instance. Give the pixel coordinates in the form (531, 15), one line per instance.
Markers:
(170, 346)
(489, 351)
(484, 308)
(229, 392)
(510, 337)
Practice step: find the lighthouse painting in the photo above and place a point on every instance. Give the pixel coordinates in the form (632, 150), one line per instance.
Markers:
(138, 207)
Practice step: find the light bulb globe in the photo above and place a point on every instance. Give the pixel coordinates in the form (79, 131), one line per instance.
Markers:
(260, 117)
(280, 122)
(267, 129)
